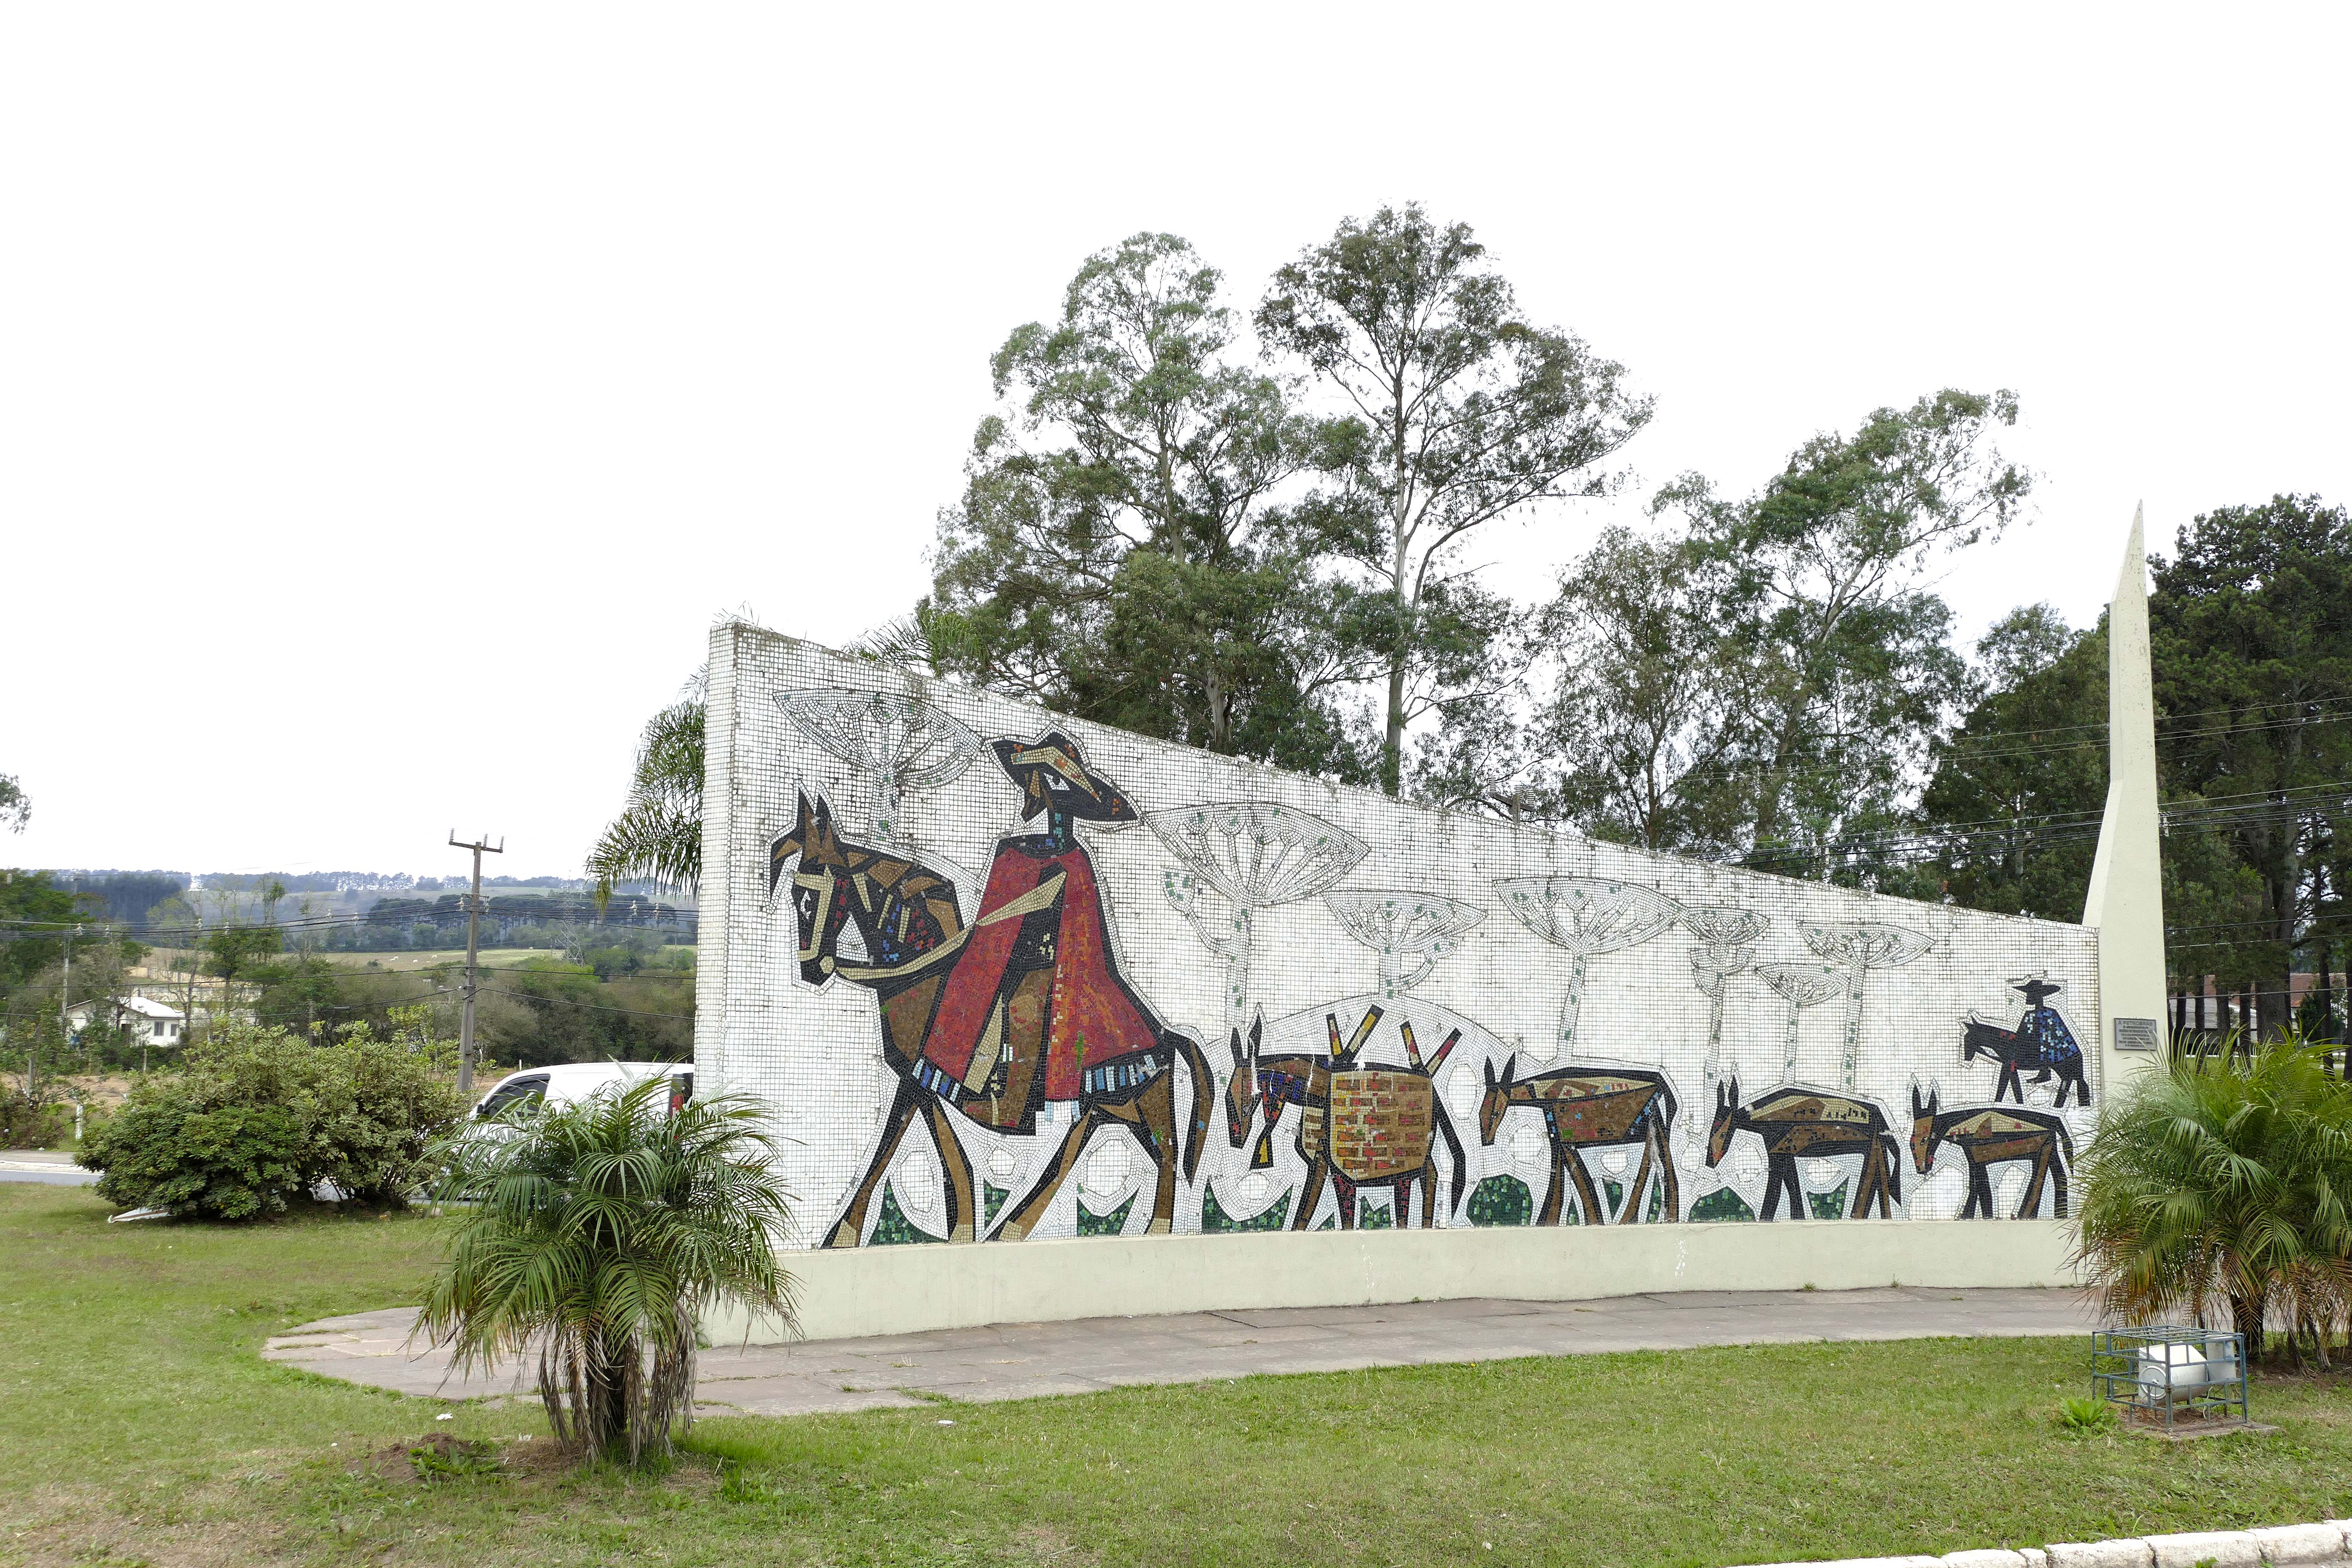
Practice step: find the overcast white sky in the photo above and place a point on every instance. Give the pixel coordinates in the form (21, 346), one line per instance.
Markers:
(390, 396)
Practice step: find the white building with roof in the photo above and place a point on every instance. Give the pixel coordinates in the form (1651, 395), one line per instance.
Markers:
(162, 1023)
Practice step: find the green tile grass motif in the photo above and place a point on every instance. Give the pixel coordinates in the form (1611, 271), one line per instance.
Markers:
(894, 1228)
(1111, 1223)
(1331, 1223)
(1215, 1221)
(1613, 1194)
(1829, 1204)
(1657, 1203)
(1720, 1204)
(1501, 1200)
(995, 1197)
(1375, 1216)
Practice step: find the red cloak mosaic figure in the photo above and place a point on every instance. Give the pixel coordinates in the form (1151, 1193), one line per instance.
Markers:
(1035, 988)
(1023, 1008)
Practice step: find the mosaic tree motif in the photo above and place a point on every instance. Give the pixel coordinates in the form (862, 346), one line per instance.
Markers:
(897, 742)
(1858, 948)
(1800, 986)
(1589, 917)
(1410, 931)
(1726, 947)
(1254, 855)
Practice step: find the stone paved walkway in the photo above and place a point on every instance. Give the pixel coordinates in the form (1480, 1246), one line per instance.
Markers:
(1022, 1360)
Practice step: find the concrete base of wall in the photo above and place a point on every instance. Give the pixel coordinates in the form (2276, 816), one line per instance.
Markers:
(908, 1290)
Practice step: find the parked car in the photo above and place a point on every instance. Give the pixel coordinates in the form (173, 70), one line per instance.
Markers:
(574, 1081)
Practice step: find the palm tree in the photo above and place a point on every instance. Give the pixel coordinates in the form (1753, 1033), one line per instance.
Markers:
(2224, 1181)
(657, 838)
(598, 1234)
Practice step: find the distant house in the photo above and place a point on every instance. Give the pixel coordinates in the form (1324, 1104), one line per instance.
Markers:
(163, 1025)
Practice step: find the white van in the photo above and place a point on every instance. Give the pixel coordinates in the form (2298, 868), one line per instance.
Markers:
(574, 1081)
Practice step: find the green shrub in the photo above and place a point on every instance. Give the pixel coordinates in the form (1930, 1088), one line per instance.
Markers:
(169, 1150)
(597, 1234)
(30, 1123)
(259, 1116)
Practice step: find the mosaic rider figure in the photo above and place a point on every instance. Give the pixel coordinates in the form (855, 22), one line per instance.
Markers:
(1036, 995)
(2041, 1041)
(993, 1021)
(2042, 1026)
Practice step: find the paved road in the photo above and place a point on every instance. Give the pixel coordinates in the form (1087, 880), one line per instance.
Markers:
(1022, 1360)
(44, 1165)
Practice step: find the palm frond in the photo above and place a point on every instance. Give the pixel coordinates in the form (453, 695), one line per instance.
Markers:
(601, 1233)
(657, 837)
(2224, 1179)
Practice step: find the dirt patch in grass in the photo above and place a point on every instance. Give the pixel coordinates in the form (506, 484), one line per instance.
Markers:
(1047, 1547)
(83, 1527)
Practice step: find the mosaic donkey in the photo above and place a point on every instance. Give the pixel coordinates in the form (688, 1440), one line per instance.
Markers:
(1793, 1121)
(1022, 1008)
(1991, 1136)
(1360, 1125)
(1587, 1108)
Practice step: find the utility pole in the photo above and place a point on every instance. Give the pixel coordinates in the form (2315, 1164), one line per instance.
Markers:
(480, 846)
(65, 989)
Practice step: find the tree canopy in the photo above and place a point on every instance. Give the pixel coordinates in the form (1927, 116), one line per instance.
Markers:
(1113, 556)
(1453, 410)
(1248, 532)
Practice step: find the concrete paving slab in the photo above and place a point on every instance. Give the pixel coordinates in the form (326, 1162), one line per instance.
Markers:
(1025, 1361)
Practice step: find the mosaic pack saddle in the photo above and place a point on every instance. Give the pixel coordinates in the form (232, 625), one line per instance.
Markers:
(1361, 1123)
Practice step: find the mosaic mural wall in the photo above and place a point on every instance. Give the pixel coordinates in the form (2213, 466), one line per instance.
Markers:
(1004, 975)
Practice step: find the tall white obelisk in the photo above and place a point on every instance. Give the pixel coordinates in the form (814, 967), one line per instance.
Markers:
(2127, 895)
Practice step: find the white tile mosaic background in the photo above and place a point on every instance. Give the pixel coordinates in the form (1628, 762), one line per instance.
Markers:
(811, 1052)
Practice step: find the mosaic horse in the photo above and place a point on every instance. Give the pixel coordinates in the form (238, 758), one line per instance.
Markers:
(1585, 1108)
(1360, 1125)
(908, 919)
(1991, 1136)
(1813, 1124)
(2040, 1040)
(2014, 1050)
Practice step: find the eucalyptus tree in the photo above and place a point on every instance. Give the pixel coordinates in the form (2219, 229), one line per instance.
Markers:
(1111, 556)
(1633, 706)
(1846, 668)
(1454, 410)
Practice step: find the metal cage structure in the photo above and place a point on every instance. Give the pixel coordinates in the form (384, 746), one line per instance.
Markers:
(2164, 1372)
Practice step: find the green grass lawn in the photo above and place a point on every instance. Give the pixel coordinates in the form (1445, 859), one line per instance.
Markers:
(140, 1428)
